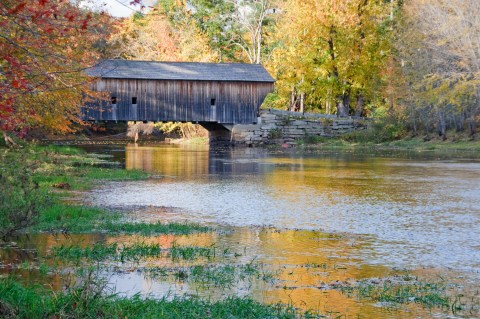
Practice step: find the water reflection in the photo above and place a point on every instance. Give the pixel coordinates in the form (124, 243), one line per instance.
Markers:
(287, 254)
(192, 161)
(422, 211)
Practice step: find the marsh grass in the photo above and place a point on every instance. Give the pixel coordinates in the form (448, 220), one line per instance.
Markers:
(67, 218)
(101, 252)
(424, 293)
(155, 228)
(133, 252)
(67, 165)
(192, 252)
(212, 275)
(361, 141)
(17, 301)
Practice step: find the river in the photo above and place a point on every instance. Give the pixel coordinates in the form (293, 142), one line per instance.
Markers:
(421, 209)
(289, 225)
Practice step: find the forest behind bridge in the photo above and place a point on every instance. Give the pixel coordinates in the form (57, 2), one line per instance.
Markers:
(411, 64)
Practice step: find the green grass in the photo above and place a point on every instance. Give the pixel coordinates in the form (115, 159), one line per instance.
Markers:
(134, 252)
(82, 177)
(192, 252)
(61, 164)
(219, 276)
(97, 252)
(66, 218)
(424, 293)
(101, 252)
(17, 301)
(406, 143)
(147, 229)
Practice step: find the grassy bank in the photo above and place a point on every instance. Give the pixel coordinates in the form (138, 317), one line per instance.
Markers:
(408, 144)
(17, 301)
(45, 178)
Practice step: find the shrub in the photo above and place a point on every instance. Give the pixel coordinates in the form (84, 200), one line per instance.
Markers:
(20, 196)
(380, 131)
(275, 133)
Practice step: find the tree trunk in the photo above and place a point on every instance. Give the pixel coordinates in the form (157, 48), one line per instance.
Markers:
(414, 123)
(136, 137)
(442, 125)
(472, 126)
(302, 98)
(341, 108)
(359, 106)
(459, 122)
(343, 105)
(292, 100)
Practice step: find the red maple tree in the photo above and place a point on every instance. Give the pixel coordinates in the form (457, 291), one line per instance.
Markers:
(45, 46)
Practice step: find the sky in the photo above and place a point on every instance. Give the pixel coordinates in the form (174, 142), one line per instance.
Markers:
(117, 8)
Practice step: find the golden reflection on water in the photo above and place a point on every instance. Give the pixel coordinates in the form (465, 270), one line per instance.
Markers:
(339, 174)
(365, 180)
(167, 160)
(300, 261)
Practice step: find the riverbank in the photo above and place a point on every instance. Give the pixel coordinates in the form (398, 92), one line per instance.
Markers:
(415, 144)
(88, 258)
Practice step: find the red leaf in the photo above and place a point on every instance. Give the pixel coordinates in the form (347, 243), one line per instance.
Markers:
(16, 84)
(18, 8)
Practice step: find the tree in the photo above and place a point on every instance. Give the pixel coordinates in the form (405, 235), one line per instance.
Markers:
(44, 48)
(153, 36)
(440, 54)
(334, 54)
(250, 21)
(236, 30)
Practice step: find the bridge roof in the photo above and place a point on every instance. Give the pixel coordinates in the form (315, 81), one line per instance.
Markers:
(190, 71)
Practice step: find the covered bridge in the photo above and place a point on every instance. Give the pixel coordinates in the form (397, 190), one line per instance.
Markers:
(224, 93)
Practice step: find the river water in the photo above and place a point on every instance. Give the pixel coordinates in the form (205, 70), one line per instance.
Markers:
(306, 219)
(420, 209)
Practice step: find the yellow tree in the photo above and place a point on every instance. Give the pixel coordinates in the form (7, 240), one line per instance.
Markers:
(332, 52)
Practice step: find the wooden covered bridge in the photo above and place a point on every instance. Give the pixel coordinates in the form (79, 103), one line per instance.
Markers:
(204, 93)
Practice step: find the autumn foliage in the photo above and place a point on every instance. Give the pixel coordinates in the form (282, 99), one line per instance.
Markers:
(413, 60)
(44, 47)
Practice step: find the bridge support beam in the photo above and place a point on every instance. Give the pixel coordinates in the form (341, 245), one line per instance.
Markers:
(218, 134)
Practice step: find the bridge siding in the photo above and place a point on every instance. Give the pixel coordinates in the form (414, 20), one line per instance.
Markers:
(179, 100)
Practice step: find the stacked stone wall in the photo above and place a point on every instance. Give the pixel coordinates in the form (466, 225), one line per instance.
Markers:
(277, 126)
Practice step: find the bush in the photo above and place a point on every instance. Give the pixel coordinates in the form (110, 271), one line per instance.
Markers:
(275, 133)
(20, 196)
(312, 139)
(380, 131)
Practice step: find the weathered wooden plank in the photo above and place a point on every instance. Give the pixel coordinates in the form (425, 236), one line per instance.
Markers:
(174, 100)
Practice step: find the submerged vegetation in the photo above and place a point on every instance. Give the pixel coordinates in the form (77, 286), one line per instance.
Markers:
(90, 244)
